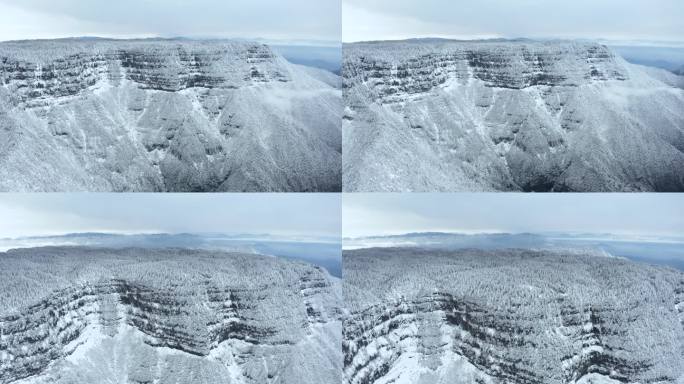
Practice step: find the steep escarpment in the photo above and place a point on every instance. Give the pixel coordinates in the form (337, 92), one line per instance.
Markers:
(38, 72)
(509, 316)
(246, 318)
(157, 115)
(507, 115)
(396, 70)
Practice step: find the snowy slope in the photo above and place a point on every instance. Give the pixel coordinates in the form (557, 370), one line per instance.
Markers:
(510, 316)
(508, 116)
(87, 315)
(164, 115)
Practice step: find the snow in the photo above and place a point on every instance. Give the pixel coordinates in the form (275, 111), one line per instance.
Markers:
(439, 316)
(83, 315)
(508, 116)
(595, 378)
(166, 115)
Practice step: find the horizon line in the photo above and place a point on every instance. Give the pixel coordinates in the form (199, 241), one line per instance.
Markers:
(166, 233)
(487, 38)
(494, 232)
(263, 40)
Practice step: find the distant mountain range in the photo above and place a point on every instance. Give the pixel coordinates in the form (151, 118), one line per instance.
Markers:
(323, 251)
(670, 58)
(655, 250)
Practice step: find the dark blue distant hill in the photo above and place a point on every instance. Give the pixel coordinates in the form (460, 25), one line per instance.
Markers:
(323, 57)
(668, 58)
(668, 252)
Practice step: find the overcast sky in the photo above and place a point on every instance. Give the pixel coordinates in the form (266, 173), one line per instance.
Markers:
(269, 19)
(645, 214)
(469, 19)
(279, 214)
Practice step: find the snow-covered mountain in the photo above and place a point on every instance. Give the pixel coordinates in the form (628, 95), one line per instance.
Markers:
(520, 115)
(165, 115)
(510, 316)
(94, 315)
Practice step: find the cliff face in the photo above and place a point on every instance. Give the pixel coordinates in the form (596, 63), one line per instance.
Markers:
(247, 318)
(395, 71)
(165, 115)
(509, 317)
(38, 72)
(511, 115)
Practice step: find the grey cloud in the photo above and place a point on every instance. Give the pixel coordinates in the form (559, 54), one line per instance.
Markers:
(291, 19)
(644, 214)
(288, 214)
(660, 19)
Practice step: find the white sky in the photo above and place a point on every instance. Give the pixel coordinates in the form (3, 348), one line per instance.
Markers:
(288, 214)
(268, 19)
(364, 20)
(643, 214)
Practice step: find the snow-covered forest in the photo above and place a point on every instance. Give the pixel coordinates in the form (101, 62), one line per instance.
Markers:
(510, 316)
(431, 115)
(165, 115)
(78, 314)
